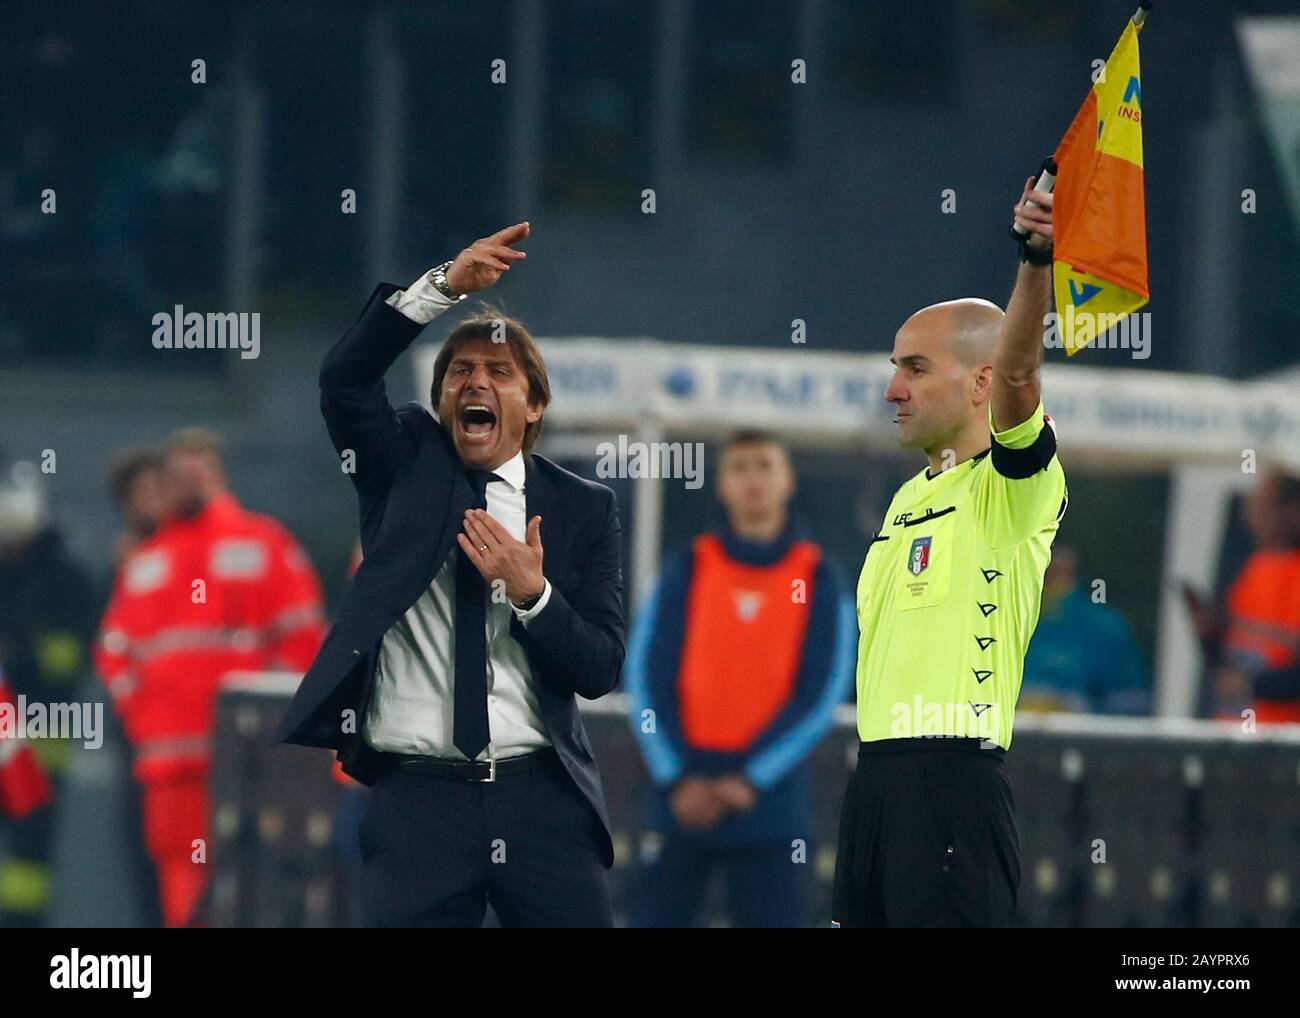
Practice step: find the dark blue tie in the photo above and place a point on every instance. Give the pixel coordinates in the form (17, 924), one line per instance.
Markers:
(470, 724)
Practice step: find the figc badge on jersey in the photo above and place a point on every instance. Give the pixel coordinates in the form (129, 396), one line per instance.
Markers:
(920, 556)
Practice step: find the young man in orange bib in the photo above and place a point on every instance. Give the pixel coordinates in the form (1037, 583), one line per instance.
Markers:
(734, 669)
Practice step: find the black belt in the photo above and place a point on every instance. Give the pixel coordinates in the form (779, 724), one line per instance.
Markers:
(931, 744)
(471, 770)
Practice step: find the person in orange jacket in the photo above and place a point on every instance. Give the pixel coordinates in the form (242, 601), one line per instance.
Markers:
(217, 589)
(1252, 642)
(24, 787)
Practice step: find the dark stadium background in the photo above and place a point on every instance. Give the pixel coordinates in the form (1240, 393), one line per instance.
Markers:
(820, 203)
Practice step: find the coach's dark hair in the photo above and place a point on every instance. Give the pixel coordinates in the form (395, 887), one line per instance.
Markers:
(491, 325)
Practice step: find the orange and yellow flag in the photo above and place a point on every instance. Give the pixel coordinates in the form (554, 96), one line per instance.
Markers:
(1100, 247)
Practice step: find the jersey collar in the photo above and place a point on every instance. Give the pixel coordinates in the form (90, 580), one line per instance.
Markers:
(972, 461)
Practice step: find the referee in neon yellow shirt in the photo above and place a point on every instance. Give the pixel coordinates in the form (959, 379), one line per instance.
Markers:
(947, 600)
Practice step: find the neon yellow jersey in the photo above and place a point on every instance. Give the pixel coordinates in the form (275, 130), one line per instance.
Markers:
(950, 589)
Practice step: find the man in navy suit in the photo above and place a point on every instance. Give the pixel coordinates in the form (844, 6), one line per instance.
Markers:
(448, 681)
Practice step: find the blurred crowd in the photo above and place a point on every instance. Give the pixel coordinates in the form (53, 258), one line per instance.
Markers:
(202, 588)
(735, 676)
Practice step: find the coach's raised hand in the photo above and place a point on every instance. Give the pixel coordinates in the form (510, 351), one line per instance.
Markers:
(483, 262)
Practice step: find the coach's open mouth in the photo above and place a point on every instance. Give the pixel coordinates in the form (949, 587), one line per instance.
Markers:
(477, 421)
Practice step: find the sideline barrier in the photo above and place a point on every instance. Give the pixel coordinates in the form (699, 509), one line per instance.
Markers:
(1198, 822)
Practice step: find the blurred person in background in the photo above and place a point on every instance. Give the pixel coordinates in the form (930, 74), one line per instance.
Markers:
(24, 787)
(47, 618)
(734, 669)
(216, 589)
(1251, 643)
(139, 488)
(1082, 656)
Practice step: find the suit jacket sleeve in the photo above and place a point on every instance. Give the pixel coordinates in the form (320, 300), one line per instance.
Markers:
(579, 640)
(362, 424)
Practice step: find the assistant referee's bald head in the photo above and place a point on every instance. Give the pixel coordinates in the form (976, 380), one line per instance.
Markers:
(968, 327)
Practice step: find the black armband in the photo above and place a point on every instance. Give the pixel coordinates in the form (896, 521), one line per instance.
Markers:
(1017, 464)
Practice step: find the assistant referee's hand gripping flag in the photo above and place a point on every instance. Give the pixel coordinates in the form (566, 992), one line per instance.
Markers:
(1099, 270)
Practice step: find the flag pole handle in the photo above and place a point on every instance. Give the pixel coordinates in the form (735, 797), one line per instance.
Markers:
(1045, 182)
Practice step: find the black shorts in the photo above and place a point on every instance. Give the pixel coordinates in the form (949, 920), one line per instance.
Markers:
(927, 837)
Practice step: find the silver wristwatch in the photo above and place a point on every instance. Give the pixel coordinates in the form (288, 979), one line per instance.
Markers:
(438, 276)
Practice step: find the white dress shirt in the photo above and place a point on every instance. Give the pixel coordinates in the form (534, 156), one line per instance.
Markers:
(412, 707)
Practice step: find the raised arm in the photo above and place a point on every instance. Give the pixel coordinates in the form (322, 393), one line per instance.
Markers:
(362, 423)
(1017, 387)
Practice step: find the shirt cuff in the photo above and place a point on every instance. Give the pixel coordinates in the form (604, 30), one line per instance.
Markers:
(535, 610)
(422, 302)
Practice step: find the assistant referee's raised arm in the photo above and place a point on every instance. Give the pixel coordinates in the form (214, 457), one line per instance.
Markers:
(1017, 387)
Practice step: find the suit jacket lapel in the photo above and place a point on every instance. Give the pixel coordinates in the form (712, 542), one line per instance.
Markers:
(539, 495)
(539, 499)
